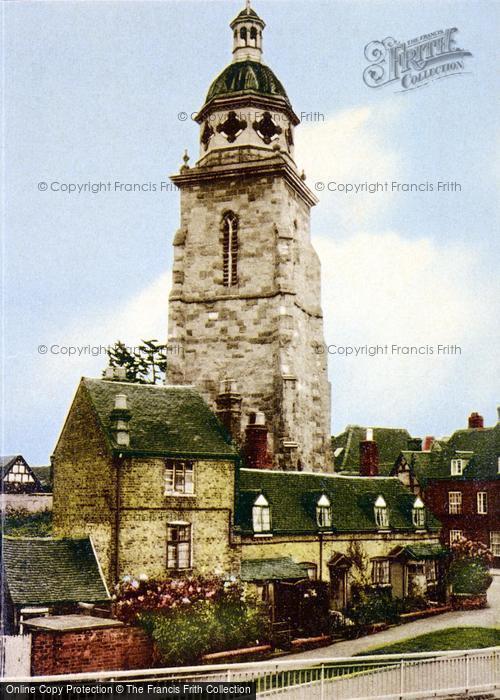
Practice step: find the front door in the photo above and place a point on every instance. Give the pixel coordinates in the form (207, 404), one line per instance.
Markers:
(338, 588)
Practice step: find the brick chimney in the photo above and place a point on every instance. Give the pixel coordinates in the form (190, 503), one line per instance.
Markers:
(368, 455)
(476, 420)
(428, 440)
(228, 408)
(255, 450)
(120, 418)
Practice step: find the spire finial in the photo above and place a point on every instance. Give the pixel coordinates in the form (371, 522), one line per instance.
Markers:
(248, 3)
(185, 158)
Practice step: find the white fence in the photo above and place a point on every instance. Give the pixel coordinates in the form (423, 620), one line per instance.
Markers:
(15, 655)
(386, 677)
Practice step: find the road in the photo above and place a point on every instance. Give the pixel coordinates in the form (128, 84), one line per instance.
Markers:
(488, 617)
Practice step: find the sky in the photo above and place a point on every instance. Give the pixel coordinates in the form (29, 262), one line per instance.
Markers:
(98, 92)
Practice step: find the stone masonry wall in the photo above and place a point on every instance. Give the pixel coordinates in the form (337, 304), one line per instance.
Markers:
(84, 478)
(86, 651)
(265, 332)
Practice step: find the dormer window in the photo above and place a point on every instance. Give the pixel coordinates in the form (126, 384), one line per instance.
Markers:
(457, 467)
(324, 512)
(261, 515)
(418, 513)
(381, 513)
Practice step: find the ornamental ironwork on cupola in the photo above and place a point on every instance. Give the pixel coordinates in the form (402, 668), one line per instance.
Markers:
(246, 107)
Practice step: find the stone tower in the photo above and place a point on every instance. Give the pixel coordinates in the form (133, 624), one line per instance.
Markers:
(245, 299)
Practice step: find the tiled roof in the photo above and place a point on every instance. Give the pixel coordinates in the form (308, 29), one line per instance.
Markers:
(391, 442)
(293, 497)
(165, 420)
(6, 463)
(272, 569)
(483, 443)
(40, 571)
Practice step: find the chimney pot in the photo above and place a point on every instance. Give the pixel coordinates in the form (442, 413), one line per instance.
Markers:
(120, 373)
(476, 420)
(120, 401)
(369, 434)
(109, 372)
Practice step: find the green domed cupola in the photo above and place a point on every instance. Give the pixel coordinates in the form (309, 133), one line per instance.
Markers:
(246, 106)
(246, 76)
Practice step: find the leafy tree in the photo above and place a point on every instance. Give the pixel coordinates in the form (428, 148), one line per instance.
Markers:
(145, 364)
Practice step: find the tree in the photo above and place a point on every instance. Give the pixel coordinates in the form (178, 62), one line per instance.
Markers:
(145, 364)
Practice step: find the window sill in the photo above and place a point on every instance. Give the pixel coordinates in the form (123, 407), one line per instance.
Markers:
(262, 534)
(178, 494)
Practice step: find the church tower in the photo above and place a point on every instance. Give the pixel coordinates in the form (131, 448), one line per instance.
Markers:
(245, 301)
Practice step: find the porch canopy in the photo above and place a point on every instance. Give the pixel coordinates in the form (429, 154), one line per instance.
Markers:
(419, 552)
(279, 569)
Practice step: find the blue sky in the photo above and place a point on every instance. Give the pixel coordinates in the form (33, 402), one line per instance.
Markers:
(93, 92)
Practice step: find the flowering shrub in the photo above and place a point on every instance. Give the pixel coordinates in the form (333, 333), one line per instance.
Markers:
(190, 617)
(471, 550)
(134, 596)
(469, 567)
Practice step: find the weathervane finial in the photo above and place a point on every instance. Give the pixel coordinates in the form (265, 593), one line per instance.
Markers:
(247, 2)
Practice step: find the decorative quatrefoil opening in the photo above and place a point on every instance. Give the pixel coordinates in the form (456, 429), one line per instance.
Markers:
(232, 127)
(206, 135)
(267, 128)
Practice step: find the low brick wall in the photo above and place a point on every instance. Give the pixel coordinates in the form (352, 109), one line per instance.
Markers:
(107, 649)
(468, 601)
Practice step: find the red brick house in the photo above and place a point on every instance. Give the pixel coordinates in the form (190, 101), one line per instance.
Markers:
(460, 482)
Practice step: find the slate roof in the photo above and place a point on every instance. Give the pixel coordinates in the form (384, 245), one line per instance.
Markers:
(391, 442)
(293, 496)
(272, 569)
(165, 420)
(425, 551)
(40, 571)
(484, 443)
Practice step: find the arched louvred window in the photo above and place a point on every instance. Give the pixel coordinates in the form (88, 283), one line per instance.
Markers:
(243, 33)
(230, 249)
(253, 33)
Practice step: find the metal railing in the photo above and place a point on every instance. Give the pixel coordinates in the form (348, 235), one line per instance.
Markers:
(390, 676)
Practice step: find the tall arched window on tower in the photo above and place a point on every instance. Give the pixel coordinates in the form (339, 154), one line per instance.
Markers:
(230, 249)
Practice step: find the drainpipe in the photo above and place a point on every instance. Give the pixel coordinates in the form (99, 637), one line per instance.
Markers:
(320, 556)
(118, 461)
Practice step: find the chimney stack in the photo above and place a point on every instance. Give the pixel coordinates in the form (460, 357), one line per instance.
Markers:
(120, 418)
(228, 408)
(255, 450)
(428, 440)
(476, 421)
(368, 455)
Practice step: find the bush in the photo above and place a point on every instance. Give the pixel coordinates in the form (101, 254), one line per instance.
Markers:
(20, 522)
(373, 606)
(190, 617)
(469, 568)
(470, 577)
(183, 636)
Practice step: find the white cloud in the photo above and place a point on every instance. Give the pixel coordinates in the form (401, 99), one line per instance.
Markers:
(383, 289)
(353, 146)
